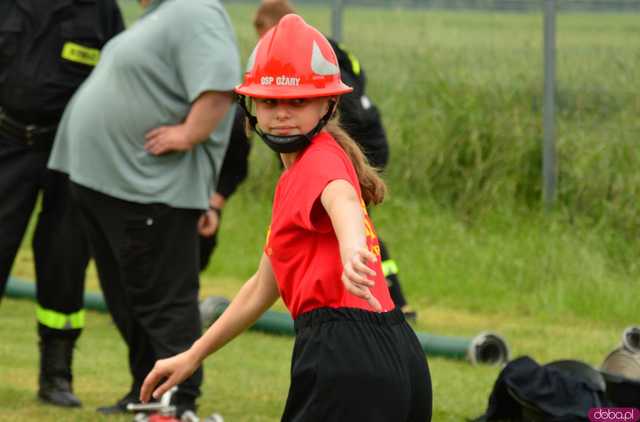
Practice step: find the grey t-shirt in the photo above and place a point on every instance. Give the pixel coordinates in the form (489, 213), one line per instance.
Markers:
(148, 76)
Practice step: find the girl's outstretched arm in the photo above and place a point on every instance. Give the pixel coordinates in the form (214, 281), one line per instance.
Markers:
(253, 299)
(342, 203)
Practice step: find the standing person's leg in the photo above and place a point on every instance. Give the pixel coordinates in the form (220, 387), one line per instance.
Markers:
(20, 170)
(102, 217)
(167, 304)
(207, 244)
(61, 255)
(153, 296)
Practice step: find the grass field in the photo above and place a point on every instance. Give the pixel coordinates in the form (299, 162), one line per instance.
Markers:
(461, 97)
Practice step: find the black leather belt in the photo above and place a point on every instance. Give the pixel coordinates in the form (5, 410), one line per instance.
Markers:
(28, 133)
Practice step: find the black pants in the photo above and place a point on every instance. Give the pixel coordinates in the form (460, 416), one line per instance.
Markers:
(355, 365)
(147, 261)
(60, 248)
(207, 246)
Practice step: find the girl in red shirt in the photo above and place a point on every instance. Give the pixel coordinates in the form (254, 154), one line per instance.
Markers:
(355, 357)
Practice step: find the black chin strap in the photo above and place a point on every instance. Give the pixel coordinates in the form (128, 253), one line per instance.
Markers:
(289, 143)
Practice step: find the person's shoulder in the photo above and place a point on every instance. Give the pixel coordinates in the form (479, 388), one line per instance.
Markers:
(324, 150)
(212, 6)
(201, 9)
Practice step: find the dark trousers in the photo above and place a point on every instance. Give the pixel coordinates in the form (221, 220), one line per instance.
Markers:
(60, 248)
(147, 261)
(207, 247)
(355, 365)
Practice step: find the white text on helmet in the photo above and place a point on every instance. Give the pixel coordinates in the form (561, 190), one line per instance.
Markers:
(280, 80)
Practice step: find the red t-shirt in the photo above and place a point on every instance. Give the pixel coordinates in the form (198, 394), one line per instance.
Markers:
(301, 243)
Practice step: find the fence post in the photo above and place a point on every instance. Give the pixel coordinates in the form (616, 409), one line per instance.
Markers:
(549, 147)
(336, 20)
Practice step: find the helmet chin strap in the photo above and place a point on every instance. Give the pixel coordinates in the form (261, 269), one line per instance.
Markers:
(288, 143)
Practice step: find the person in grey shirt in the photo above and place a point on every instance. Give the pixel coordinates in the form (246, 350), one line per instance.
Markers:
(142, 141)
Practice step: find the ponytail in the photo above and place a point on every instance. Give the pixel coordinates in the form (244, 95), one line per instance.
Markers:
(371, 184)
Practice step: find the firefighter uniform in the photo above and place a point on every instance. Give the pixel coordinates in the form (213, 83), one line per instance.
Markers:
(47, 49)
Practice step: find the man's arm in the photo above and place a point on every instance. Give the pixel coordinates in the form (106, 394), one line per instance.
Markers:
(206, 113)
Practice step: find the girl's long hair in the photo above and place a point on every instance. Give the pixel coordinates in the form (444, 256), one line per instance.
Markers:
(371, 184)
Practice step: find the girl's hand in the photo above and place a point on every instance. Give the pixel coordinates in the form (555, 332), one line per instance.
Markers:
(355, 276)
(173, 370)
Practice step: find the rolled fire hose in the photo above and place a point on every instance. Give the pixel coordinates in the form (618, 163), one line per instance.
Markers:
(485, 348)
(631, 339)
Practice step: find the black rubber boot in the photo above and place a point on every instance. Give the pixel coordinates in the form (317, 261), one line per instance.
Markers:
(56, 354)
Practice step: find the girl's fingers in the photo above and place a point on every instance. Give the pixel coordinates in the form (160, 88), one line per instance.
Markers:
(356, 277)
(150, 382)
(165, 386)
(364, 293)
(363, 268)
(368, 255)
(375, 303)
(364, 258)
(356, 289)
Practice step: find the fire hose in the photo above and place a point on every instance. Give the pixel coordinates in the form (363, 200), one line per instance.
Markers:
(485, 348)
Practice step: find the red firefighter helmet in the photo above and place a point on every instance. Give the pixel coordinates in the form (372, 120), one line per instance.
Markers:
(292, 60)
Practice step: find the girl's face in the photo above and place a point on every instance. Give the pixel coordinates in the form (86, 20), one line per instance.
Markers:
(290, 117)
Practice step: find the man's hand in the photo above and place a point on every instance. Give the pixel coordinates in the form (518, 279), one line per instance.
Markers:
(165, 139)
(208, 223)
(206, 112)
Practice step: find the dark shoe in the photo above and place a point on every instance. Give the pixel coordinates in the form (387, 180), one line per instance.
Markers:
(56, 354)
(57, 391)
(120, 406)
